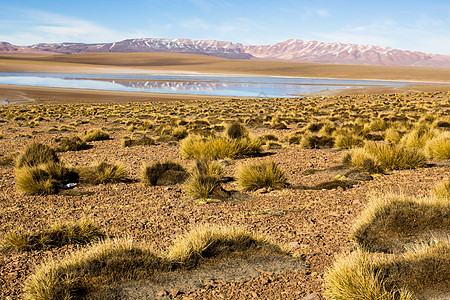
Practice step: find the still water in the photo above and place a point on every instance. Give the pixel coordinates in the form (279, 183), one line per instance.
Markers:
(200, 84)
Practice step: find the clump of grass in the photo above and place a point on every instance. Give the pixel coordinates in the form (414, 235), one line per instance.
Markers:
(208, 241)
(72, 144)
(392, 135)
(167, 173)
(236, 131)
(265, 174)
(58, 235)
(44, 179)
(385, 157)
(95, 135)
(142, 141)
(356, 277)
(205, 181)
(442, 190)
(421, 273)
(347, 140)
(113, 261)
(212, 147)
(438, 146)
(36, 154)
(103, 173)
(179, 132)
(311, 141)
(391, 222)
(417, 137)
(107, 262)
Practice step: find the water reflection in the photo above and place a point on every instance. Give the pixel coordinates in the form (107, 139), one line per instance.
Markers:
(219, 85)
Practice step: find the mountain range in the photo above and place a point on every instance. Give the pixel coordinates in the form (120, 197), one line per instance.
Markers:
(295, 50)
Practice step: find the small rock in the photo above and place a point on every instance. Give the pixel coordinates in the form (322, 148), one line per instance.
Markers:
(262, 191)
(294, 245)
(162, 293)
(312, 296)
(175, 293)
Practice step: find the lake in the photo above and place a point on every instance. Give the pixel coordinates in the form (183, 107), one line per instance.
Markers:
(199, 84)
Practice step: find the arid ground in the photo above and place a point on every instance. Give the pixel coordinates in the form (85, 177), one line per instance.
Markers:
(315, 223)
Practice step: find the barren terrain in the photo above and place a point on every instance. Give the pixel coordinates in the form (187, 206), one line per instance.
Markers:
(315, 223)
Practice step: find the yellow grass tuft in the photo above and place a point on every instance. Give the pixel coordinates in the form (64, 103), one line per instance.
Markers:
(198, 147)
(114, 261)
(81, 232)
(390, 222)
(265, 174)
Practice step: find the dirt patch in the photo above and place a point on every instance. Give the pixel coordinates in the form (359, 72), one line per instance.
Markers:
(169, 285)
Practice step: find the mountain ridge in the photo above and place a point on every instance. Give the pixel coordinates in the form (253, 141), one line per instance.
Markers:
(295, 50)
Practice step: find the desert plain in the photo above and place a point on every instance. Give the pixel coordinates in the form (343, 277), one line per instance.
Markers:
(313, 218)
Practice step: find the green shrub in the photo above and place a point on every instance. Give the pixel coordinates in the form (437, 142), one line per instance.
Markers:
(265, 174)
(166, 173)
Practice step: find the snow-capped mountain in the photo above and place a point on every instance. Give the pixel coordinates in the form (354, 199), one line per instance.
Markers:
(314, 51)
(290, 50)
(205, 47)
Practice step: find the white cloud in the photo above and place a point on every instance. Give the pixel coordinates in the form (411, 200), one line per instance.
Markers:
(322, 13)
(40, 26)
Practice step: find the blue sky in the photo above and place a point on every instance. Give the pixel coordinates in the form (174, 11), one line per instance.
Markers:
(412, 25)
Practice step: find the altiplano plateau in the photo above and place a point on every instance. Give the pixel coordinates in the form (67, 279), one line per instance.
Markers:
(138, 195)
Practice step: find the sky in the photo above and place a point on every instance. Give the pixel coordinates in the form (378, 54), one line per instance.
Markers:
(408, 25)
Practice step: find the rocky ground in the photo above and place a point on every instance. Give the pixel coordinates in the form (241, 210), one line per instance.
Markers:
(315, 223)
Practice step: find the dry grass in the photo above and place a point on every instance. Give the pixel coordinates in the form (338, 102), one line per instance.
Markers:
(95, 135)
(81, 232)
(265, 174)
(391, 222)
(103, 172)
(421, 273)
(212, 148)
(74, 143)
(114, 261)
(35, 154)
(380, 156)
(167, 173)
(211, 241)
(438, 146)
(355, 277)
(44, 179)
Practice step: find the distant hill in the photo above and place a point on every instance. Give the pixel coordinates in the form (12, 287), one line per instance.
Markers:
(290, 50)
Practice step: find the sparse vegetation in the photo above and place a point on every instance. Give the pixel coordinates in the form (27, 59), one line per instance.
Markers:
(95, 135)
(72, 144)
(265, 174)
(166, 173)
(219, 147)
(392, 222)
(112, 261)
(81, 232)
(103, 173)
(420, 273)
